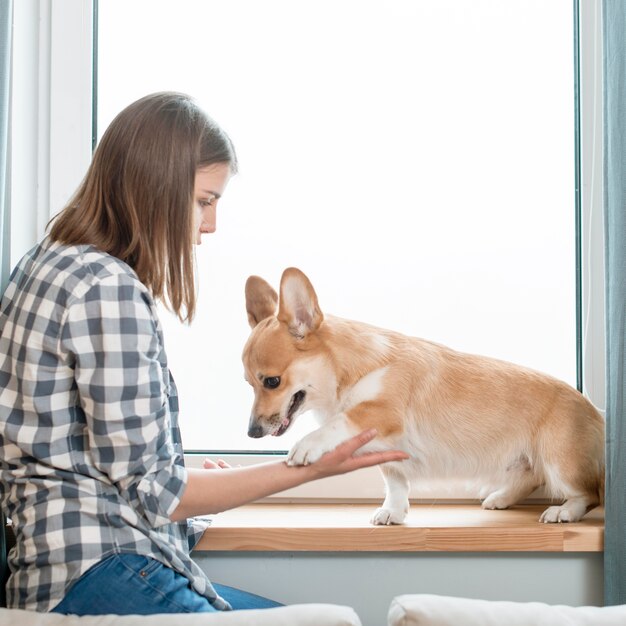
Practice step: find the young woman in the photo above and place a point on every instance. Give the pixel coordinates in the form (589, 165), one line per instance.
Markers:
(91, 460)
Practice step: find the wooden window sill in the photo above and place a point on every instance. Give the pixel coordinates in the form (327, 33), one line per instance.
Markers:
(429, 527)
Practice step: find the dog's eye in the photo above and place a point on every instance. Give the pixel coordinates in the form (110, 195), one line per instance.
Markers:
(271, 382)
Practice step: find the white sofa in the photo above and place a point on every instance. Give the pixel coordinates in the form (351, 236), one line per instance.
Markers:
(295, 615)
(431, 610)
(405, 610)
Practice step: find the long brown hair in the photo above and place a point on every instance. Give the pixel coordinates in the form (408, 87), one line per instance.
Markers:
(136, 200)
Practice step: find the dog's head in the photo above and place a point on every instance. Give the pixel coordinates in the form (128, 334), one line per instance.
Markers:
(282, 353)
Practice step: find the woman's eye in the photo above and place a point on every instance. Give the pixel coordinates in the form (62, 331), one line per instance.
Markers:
(271, 382)
(205, 203)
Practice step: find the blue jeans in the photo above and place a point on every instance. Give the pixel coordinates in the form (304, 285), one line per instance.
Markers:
(127, 584)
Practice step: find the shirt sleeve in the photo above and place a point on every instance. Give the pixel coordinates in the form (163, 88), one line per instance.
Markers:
(112, 336)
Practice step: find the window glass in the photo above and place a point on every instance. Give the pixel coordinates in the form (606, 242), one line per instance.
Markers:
(414, 158)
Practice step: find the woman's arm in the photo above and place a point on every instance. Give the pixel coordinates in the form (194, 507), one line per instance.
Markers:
(109, 338)
(216, 491)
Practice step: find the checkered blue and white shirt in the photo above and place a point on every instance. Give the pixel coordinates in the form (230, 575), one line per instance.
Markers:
(91, 460)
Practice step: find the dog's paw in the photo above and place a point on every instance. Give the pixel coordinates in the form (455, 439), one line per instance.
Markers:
(310, 448)
(387, 517)
(497, 500)
(558, 514)
(305, 453)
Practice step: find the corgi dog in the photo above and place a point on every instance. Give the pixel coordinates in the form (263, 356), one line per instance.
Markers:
(456, 415)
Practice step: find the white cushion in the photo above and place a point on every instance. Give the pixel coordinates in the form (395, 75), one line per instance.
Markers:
(294, 615)
(431, 610)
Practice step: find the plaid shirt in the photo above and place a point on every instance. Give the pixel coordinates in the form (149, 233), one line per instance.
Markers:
(91, 460)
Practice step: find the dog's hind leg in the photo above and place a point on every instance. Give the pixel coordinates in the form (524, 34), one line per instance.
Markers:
(573, 461)
(570, 511)
(521, 481)
(580, 496)
(396, 505)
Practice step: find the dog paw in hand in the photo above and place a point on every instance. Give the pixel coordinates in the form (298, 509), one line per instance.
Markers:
(302, 454)
(313, 446)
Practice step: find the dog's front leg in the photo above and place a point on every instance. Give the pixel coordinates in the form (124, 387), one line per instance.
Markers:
(311, 447)
(396, 505)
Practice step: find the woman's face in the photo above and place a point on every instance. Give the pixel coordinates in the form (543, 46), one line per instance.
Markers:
(208, 189)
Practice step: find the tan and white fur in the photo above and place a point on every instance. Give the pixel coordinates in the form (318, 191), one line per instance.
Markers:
(456, 415)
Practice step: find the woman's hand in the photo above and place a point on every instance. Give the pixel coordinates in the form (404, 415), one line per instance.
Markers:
(219, 464)
(342, 459)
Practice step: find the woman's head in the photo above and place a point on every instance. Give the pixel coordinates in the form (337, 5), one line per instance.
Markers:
(137, 200)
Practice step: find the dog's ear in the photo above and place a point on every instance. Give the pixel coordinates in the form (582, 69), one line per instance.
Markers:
(261, 300)
(298, 307)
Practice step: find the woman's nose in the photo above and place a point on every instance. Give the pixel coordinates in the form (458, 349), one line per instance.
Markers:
(208, 224)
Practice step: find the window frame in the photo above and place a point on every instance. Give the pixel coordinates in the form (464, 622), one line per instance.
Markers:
(51, 88)
(55, 44)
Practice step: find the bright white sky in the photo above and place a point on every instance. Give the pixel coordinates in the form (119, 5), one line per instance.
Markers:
(414, 158)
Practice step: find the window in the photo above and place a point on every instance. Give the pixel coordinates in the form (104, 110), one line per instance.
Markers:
(415, 159)
(52, 137)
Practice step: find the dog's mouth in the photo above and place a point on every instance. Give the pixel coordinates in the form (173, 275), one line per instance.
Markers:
(296, 402)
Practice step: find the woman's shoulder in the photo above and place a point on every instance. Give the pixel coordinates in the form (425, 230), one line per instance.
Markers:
(86, 257)
(75, 269)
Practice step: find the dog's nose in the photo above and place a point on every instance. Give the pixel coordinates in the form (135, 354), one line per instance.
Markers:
(255, 431)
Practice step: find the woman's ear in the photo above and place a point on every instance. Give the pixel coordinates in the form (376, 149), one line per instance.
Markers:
(261, 300)
(298, 307)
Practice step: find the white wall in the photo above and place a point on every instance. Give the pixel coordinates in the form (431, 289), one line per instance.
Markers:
(368, 581)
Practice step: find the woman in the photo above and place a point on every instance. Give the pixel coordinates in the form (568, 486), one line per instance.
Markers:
(91, 461)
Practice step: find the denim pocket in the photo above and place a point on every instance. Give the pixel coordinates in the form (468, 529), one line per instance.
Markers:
(140, 565)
